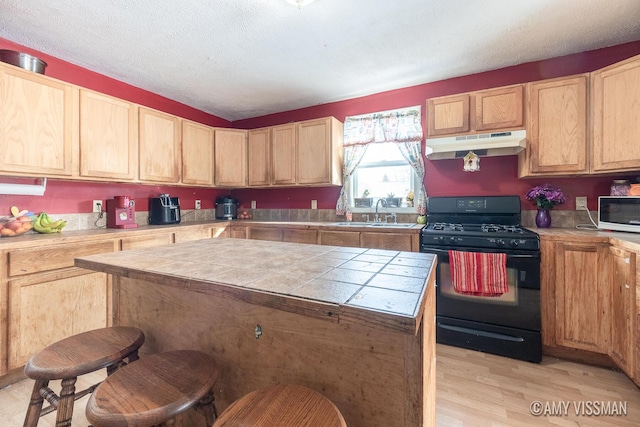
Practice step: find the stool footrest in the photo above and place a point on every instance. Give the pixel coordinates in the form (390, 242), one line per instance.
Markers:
(51, 397)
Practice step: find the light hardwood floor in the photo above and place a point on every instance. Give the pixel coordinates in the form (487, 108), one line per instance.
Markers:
(473, 389)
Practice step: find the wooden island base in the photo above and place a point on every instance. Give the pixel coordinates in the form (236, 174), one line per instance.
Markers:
(374, 376)
(354, 324)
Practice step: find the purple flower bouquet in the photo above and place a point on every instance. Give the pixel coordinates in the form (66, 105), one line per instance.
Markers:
(545, 196)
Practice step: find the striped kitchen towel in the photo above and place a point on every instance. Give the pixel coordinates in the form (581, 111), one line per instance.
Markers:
(480, 274)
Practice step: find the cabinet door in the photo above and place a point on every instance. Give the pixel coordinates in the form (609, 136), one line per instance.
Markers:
(448, 115)
(615, 110)
(583, 317)
(108, 137)
(38, 119)
(259, 157)
(339, 238)
(283, 149)
(300, 236)
(192, 234)
(557, 127)
(623, 300)
(159, 146)
(45, 308)
(197, 154)
(500, 108)
(317, 154)
(230, 158)
(393, 241)
(273, 234)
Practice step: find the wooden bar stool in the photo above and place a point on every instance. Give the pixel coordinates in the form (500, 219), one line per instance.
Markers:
(283, 405)
(71, 357)
(154, 390)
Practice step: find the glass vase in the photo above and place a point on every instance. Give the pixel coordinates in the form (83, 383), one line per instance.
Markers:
(543, 218)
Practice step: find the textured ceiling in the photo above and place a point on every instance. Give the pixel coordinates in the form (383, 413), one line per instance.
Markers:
(239, 59)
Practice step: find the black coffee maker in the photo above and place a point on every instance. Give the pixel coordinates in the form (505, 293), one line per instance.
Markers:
(164, 210)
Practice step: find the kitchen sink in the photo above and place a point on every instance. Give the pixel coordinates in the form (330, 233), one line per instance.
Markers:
(392, 225)
(373, 224)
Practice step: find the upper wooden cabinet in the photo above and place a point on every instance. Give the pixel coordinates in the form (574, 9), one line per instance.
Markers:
(475, 112)
(557, 129)
(500, 108)
(108, 137)
(197, 154)
(159, 145)
(319, 152)
(259, 157)
(38, 124)
(615, 105)
(230, 148)
(283, 154)
(296, 154)
(448, 115)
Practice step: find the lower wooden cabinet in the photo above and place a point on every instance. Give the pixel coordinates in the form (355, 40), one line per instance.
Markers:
(623, 310)
(583, 316)
(47, 307)
(339, 238)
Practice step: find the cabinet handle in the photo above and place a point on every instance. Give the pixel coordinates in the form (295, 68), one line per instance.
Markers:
(626, 286)
(627, 260)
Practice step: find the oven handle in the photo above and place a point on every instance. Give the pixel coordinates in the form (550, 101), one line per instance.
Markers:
(445, 252)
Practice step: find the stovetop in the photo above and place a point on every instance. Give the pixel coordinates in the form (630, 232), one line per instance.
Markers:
(477, 222)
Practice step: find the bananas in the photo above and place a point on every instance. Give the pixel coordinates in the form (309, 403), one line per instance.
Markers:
(45, 225)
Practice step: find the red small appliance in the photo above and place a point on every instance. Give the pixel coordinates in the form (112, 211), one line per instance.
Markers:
(121, 212)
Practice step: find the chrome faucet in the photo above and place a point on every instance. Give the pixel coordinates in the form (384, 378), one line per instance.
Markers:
(384, 204)
(393, 216)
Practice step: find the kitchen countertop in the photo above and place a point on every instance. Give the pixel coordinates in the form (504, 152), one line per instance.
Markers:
(341, 284)
(617, 238)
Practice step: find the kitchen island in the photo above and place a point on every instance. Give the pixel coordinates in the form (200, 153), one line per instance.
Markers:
(355, 324)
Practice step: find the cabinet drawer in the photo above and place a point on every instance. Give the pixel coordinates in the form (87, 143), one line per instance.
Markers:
(29, 261)
(300, 236)
(394, 241)
(146, 241)
(272, 234)
(340, 238)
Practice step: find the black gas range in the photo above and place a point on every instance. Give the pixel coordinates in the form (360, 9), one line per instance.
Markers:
(507, 324)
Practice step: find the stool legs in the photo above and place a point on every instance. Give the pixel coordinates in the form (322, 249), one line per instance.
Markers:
(35, 405)
(65, 404)
(207, 407)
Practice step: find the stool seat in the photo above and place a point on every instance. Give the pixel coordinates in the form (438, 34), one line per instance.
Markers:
(83, 353)
(284, 405)
(71, 357)
(155, 389)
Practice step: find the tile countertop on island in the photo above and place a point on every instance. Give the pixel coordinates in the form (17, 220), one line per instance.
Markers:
(341, 283)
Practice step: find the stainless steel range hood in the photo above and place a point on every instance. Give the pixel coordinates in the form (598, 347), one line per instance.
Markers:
(483, 144)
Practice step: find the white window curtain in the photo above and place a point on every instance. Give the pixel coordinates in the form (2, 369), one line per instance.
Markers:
(402, 126)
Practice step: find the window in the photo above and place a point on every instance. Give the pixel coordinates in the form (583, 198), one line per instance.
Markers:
(383, 161)
(383, 173)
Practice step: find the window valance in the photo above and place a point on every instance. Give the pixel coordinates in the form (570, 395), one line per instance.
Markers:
(402, 125)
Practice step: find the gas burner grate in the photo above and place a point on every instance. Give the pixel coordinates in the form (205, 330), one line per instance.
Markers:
(499, 228)
(445, 226)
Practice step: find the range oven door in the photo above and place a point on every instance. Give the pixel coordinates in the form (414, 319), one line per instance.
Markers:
(508, 325)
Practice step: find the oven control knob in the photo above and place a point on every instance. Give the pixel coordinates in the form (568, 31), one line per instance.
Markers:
(439, 238)
(513, 243)
(452, 239)
(500, 242)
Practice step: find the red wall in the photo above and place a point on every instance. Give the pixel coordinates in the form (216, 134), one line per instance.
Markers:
(498, 175)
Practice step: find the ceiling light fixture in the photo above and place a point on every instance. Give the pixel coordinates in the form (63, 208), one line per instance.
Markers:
(300, 3)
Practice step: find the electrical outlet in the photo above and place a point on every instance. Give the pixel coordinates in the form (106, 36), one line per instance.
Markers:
(97, 206)
(314, 204)
(198, 204)
(581, 203)
(253, 204)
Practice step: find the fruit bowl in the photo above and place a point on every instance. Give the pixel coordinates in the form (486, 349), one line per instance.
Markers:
(11, 227)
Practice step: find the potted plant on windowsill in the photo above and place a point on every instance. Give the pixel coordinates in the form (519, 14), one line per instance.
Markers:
(365, 201)
(393, 201)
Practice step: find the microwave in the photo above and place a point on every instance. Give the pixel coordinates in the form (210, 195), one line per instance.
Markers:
(619, 213)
